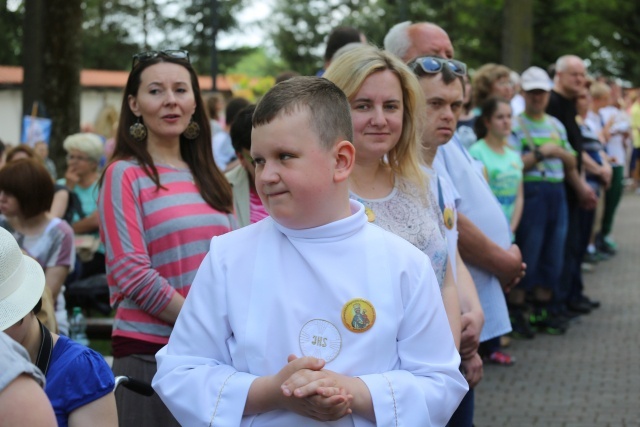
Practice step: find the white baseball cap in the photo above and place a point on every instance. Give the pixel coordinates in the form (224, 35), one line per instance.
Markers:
(535, 78)
(21, 281)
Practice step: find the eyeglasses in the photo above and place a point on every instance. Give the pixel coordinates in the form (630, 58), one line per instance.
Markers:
(433, 65)
(151, 54)
(71, 157)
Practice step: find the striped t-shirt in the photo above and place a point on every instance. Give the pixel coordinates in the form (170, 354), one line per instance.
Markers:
(155, 240)
(547, 130)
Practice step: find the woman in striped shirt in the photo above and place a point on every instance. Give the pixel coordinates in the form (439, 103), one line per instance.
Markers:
(161, 201)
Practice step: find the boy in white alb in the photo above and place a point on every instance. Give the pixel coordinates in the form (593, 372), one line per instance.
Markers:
(313, 314)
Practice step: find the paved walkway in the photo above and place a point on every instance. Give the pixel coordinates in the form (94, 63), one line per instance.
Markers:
(590, 376)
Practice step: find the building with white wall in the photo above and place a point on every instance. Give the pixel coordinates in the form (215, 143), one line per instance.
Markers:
(101, 91)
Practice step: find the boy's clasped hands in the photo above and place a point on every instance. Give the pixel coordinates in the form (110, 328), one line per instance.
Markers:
(312, 391)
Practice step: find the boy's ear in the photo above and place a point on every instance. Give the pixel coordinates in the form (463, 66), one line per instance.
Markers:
(345, 156)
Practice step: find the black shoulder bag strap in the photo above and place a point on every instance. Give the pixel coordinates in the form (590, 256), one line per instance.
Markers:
(46, 349)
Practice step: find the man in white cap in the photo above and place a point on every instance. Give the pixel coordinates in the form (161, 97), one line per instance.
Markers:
(549, 161)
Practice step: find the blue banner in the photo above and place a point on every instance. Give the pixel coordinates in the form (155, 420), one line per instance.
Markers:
(35, 129)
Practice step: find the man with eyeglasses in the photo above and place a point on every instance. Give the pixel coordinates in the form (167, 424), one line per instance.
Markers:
(484, 234)
(569, 81)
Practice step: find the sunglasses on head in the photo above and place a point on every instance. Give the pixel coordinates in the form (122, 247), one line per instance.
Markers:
(434, 64)
(151, 54)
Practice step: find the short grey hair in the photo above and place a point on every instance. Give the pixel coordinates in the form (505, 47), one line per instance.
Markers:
(88, 143)
(397, 40)
(563, 62)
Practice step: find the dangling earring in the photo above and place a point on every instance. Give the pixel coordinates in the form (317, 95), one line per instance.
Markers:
(138, 131)
(192, 131)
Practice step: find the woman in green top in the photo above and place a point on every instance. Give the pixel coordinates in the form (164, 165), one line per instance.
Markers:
(502, 165)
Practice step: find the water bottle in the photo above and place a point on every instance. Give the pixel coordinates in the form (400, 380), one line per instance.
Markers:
(78, 327)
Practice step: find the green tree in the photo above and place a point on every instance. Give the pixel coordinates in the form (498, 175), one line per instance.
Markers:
(605, 33)
(192, 24)
(11, 35)
(52, 66)
(62, 66)
(257, 63)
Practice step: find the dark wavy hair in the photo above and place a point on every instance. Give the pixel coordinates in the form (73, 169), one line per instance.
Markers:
(198, 154)
(487, 110)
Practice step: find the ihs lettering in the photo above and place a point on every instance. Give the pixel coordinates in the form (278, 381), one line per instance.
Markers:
(319, 341)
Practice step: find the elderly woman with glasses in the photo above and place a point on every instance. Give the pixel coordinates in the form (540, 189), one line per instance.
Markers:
(84, 153)
(162, 199)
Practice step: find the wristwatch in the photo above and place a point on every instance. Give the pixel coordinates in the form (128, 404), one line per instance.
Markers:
(538, 155)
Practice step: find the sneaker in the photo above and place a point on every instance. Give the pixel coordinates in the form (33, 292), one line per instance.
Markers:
(590, 302)
(587, 267)
(610, 242)
(500, 358)
(605, 246)
(581, 306)
(520, 327)
(591, 258)
(546, 323)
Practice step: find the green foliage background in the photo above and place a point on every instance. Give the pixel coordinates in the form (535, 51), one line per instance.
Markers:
(605, 33)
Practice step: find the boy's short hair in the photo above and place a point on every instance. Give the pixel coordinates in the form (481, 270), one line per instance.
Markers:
(234, 106)
(240, 131)
(329, 110)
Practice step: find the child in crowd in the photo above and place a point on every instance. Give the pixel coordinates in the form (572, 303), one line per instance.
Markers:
(246, 201)
(502, 165)
(312, 314)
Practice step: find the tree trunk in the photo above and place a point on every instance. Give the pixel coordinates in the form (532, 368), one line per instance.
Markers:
(32, 51)
(517, 34)
(62, 64)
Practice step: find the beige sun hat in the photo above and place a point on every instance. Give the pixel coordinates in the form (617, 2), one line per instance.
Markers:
(21, 281)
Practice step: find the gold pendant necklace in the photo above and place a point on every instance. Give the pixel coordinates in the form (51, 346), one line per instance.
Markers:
(371, 216)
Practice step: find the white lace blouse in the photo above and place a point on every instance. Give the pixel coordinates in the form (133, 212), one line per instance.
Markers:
(413, 215)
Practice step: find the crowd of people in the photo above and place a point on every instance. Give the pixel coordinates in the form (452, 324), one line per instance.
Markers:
(246, 281)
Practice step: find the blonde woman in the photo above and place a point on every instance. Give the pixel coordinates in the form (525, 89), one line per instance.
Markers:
(387, 107)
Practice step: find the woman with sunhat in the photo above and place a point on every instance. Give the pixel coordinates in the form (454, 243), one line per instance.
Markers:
(79, 383)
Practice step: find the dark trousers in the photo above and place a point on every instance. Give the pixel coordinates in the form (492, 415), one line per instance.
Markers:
(612, 200)
(463, 417)
(571, 285)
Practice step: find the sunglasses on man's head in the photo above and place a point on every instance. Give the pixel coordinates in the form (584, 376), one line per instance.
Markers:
(433, 65)
(151, 54)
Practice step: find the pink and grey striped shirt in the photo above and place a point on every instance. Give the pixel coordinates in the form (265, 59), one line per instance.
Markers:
(155, 240)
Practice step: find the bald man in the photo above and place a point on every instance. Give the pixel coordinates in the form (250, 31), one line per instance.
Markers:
(569, 81)
(408, 41)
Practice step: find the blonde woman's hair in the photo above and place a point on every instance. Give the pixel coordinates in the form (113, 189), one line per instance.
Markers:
(599, 90)
(349, 71)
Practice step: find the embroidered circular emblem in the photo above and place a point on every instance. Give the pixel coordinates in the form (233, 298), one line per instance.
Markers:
(320, 338)
(448, 218)
(358, 315)
(369, 213)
